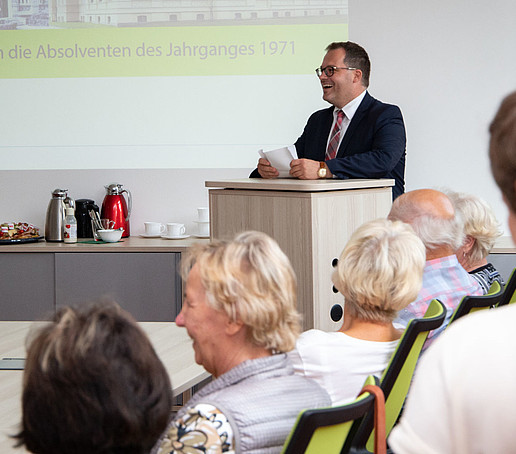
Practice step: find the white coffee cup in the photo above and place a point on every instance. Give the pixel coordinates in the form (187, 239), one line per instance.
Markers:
(175, 229)
(154, 228)
(203, 214)
(204, 228)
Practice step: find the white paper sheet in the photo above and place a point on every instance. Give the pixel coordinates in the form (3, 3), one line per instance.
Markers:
(280, 159)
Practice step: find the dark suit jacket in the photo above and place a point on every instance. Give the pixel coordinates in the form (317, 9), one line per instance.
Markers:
(373, 146)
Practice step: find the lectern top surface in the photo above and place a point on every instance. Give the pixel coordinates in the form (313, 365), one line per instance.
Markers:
(291, 184)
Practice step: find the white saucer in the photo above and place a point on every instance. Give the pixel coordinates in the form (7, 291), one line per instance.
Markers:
(144, 235)
(201, 236)
(180, 237)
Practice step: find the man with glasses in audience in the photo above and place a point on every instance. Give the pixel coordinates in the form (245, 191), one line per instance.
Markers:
(359, 137)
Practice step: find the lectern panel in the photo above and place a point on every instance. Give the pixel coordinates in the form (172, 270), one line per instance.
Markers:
(284, 216)
(335, 218)
(311, 222)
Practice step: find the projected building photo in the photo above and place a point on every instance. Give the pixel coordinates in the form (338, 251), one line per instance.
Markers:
(23, 14)
(126, 13)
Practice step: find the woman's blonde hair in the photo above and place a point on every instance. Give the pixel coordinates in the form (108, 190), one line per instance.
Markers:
(380, 270)
(251, 280)
(479, 222)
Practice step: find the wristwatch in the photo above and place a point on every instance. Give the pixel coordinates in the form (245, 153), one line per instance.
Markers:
(321, 173)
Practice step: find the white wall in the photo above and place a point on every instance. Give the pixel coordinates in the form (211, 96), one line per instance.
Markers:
(163, 195)
(152, 122)
(447, 64)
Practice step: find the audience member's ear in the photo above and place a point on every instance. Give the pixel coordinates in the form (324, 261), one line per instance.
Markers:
(469, 242)
(233, 327)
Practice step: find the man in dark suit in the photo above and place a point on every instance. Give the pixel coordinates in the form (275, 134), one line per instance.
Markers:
(359, 137)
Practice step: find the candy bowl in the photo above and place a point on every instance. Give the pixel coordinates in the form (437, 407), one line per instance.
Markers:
(110, 235)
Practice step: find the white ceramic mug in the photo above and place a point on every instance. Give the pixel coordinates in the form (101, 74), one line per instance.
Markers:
(175, 229)
(204, 228)
(203, 214)
(154, 228)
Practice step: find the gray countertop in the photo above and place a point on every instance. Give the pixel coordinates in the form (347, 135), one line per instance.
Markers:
(503, 245)
(130, 244)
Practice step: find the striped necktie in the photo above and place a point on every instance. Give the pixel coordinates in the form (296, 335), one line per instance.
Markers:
(333, 144)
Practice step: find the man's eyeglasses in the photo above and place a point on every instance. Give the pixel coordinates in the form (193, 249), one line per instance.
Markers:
(330, 70)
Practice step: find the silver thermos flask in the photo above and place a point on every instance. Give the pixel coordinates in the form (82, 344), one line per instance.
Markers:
(54, 224)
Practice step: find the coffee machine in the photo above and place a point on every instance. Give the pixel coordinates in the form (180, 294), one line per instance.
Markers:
(115, 207)
(82, 214)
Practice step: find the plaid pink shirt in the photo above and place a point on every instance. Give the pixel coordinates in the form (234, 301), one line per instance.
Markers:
(445, 280)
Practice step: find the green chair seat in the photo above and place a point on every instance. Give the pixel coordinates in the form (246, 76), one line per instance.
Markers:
(474, 303)
(327, 430)
(397, 377)
(509, 294)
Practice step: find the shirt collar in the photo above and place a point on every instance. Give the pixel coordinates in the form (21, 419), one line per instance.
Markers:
(450, 260)
(351, 107)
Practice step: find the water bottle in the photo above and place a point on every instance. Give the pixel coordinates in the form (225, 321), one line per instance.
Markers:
(70, 226)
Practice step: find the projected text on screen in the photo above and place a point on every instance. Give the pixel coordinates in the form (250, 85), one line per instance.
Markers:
(117, 38)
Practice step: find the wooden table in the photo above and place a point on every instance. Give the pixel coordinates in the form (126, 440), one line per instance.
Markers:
(172, 344)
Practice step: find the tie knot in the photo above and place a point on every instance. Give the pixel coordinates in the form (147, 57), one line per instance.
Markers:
(340, 117)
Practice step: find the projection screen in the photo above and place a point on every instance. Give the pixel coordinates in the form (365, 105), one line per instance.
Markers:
(158, 83)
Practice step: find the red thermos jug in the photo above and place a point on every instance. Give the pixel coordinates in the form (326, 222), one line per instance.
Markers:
(114, 207)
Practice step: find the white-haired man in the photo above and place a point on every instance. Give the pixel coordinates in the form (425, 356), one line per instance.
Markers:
(432, 216)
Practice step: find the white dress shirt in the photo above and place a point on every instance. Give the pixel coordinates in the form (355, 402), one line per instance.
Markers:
(349, 111)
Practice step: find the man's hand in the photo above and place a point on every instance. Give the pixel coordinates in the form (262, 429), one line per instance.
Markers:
(304, 169)
(266, 170)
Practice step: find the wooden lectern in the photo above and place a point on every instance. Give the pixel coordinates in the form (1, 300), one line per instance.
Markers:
(311, 220)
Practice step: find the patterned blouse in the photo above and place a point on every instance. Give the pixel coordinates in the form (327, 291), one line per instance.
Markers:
(202, 430)
(486, 275)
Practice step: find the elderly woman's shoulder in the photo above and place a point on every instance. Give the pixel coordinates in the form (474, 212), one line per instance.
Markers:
(317, 335)
(202, 427)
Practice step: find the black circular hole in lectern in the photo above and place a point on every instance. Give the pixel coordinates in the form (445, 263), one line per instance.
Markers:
(336, 312)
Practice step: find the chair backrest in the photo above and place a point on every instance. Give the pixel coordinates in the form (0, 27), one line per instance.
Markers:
(509, 293)
(473, 303)
(397, 377)
(325, 430)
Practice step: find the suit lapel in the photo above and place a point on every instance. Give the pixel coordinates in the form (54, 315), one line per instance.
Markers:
(359, 114)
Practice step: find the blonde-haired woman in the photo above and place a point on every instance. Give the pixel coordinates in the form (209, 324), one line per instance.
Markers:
(379, 272)
(481, 229)
(240, 311)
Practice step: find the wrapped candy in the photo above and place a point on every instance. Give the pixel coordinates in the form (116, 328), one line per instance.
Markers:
(18, 230)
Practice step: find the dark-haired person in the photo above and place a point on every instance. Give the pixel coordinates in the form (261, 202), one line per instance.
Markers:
(93, 384)
(358, 137)
(462, 398)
